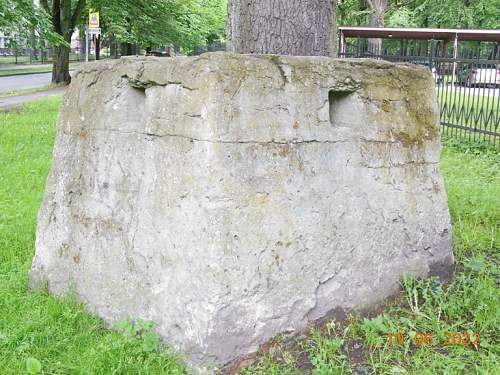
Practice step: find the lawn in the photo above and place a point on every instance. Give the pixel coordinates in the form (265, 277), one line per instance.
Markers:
(31, 70)
(65, 339)
(41, 69)
(27, 91)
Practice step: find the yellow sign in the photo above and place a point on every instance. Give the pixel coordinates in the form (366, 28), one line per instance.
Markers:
(93, 19)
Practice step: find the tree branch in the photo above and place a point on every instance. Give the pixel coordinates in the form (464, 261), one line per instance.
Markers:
(56, 16)
(56, 6)
(78, 12)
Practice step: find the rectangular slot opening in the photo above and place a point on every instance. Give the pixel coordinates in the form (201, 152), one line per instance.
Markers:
(340, 108)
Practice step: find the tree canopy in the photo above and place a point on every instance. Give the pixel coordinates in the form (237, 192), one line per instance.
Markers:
(147, 23)
(472, 14)
(22, 19)
(157, 23)
(189, 23)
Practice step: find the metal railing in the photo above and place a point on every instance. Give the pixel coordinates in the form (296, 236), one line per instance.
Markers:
(33, 55)
(467, 84)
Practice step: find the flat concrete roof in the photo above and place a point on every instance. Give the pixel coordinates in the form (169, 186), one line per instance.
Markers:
(414, 33)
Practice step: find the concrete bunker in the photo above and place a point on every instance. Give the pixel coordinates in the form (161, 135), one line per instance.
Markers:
(224, 253)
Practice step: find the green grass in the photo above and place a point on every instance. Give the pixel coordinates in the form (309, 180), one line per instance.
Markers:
(27, 91)
(66, 339)
(12, 60)
(41, 69)
(31, 70)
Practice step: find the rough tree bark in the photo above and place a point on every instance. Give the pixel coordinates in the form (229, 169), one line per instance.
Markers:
(285, 27)
(64, 16)
(378, 8)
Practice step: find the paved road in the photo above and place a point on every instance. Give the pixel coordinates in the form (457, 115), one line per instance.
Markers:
(30, 81)
(23, 82)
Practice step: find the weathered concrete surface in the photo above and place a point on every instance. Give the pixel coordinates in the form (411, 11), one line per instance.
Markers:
(231, 198)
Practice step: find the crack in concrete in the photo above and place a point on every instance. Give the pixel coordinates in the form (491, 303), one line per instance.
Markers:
(274, 142)
(139, 83)
(166, 135)
(396, 165)
(321, 285)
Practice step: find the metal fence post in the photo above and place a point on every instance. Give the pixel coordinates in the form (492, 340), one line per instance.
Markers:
(433, 51)
(455, 56)
(86, 46)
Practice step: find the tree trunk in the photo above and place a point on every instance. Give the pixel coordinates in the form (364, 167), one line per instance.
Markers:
(63, 21)
(378, 8)
(126, 49)
(62, 16)
(113, 46)
(97, 47)
(60, 66)
(285, 27)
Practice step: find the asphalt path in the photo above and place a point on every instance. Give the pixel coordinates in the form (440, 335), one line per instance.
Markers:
(23, 82)
(9, 103)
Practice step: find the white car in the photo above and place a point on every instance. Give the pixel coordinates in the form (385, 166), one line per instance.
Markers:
(484, 75)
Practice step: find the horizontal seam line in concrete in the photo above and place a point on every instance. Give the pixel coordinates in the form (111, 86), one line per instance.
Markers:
(269, 142)
(217, 141)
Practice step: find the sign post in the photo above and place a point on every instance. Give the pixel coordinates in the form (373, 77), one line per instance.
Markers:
(93, 29)
(93, 19)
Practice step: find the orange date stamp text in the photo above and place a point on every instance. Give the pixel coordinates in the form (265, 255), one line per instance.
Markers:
(421, 339)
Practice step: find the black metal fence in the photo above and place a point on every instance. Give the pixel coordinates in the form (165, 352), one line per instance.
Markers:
(109, 49)
(467, 81)
(24, 56)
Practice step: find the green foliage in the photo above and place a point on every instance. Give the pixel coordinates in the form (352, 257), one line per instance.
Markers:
(142, 330)
(327, 355)
(458, 13)
(374, 330)
(146, 23)
(352, 13)
(215, 16)
(33, 366)
(479, 14)
(401, 17)
(158, 23)
(21, 20)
